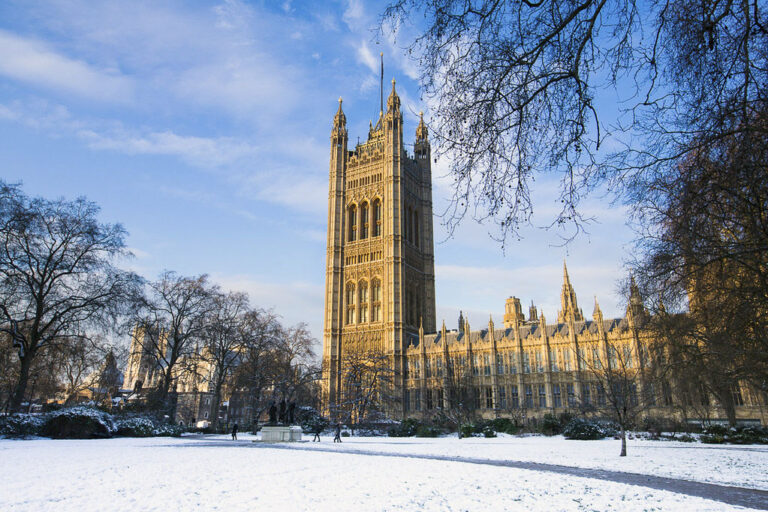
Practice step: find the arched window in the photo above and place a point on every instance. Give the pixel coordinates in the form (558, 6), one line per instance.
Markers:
(363, 301)
(376, 217)
(352, 222)
(415, 216)
(376, 300)
(350, 303)
(363, 221)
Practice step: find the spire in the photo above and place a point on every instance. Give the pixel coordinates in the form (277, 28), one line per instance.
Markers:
(570, 307)
(533, 314)
(393, 102)
(381, 87)
(461, 322)
(422, 134)
(597, 313)
(339, 120)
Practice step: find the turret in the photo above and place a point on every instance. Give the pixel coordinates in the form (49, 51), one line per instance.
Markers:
(461, 322)
(597, 314)
(513, 313)
(569, 305)
(533, 315)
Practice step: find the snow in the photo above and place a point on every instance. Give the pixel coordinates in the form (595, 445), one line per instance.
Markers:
(736, 465)
(214, 473)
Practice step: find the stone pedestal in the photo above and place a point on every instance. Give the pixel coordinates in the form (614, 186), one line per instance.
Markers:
(280, 433)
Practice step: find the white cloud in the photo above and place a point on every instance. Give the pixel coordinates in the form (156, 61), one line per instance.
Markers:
(295, 301)
(365, 56)
(198, 151)
(34, 62)
(354, 14)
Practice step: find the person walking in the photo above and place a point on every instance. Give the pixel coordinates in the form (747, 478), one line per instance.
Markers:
(317, 434)
(337, 437)
(234, 432)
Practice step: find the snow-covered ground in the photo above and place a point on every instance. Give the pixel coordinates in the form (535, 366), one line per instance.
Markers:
(740, 466)
(213, 473)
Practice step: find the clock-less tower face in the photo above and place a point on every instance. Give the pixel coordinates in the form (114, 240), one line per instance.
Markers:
(380, 284)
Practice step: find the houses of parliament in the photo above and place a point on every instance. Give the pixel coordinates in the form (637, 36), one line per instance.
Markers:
(380, 298)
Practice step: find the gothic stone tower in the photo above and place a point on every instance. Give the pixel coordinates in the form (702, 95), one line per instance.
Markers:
(380, 279)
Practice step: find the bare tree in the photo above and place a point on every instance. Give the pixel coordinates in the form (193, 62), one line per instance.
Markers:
(57, 275)
(707, 255)
(460, 402)
(521, 89)
(616, 375)
(172, 317)
(222, 344)
(367, 385)
(259, 333)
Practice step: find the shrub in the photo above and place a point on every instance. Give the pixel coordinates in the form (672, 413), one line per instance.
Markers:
(21, 425)
(406, 428)
(488, 431)
(719, 434)
(505, 425)
(550, 425)
(467, 430)
(345, 434)
(79, 423)
(135, 427)
(427, 431)
(168, 430)
(582, 429)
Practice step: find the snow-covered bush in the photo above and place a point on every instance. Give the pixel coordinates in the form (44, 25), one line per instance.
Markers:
(135, 427)
(406, 428)
(582, 429)
(167, 430)
(79, 423)
(21, 425)
(718, 434)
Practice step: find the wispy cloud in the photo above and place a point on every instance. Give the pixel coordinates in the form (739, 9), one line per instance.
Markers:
(295, 301)
(34, 62)
(197, 151)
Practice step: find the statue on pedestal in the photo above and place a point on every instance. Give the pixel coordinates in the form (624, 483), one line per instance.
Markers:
(291, 409)
(282, 417)
(272, 413)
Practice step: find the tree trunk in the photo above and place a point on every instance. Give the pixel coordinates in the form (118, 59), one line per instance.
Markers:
(623, 442)
(216, 406)
(21, 385)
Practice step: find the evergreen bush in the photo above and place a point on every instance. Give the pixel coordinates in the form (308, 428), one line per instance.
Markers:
(21, 426)
(579, 428)
(79, 423)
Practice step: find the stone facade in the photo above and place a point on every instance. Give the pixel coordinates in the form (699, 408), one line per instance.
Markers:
(380, 283)
(380, 296)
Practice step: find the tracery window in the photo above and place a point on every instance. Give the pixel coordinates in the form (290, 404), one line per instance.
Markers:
(376, 300)
(415, 231)
(363, 221)
(350, 303)
(363, 302)
(352, 222)
(376, 217)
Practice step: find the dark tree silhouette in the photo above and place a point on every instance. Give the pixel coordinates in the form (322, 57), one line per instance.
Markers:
(58, 277)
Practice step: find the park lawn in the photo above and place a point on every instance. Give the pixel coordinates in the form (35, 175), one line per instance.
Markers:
(214, 473)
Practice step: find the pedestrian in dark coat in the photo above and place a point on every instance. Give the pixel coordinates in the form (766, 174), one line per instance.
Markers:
(234, 432)
(337, 437)
(317, 434)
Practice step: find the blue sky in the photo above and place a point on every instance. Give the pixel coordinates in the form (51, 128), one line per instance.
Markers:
(203, 127)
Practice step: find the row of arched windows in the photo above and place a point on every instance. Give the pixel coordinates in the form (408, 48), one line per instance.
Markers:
(411, 225)
(362, 306)
(364, 221)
